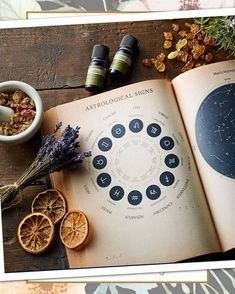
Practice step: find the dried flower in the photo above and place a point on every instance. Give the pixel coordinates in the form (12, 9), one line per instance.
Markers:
(54, 155)
(24, 112)
(221, 29)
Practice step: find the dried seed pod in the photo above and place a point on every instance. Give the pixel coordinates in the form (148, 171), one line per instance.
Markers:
(182, 56)
(168, 36)
(182, 34)
(181, 43)
(175, 27)
(161, 57)
(189, 65)
(198, 50)
(210, 41)
(209, 57)
(190, 44)
(190, 36)
(187, 24)
(203, 57)
(167, 44)
(147, 62)
(172, 55)
(195, 28)
(160, 66)
(190, 57)
(153, 60)
(201, 36)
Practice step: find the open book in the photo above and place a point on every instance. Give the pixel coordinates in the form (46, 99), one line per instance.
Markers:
(159, 186)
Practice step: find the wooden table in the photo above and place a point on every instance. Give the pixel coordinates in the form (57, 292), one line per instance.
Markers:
(54, 60)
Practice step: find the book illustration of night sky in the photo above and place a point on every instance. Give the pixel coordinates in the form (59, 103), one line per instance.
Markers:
(215, 129)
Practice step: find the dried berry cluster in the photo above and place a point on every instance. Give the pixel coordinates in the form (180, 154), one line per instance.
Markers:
(24, 112)
(192, 48)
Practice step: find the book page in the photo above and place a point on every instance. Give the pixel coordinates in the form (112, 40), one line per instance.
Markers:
(206, 97)
(140, 188)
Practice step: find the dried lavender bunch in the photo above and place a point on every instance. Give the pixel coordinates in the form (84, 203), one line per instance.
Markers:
(55, 154)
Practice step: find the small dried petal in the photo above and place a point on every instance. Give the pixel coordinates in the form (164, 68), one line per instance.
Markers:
(190, 44)
(189, 65)
(23, 115)
(183, 56)
(194, 28)
(198, 50)
(187, 24)
(210, 41)
(190, 57)
(172, 55)
(190, 36)
(185, 48)
(161, 57)
(209, 57)
(167, 44)
(160, 66)
(182, 33)
(18, 96)
(203, 57)
(201, 36)
(168, 36)
(175, 27)
(181, 43)
(147, 62)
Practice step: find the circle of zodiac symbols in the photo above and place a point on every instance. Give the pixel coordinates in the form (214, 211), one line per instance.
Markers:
(106, 145)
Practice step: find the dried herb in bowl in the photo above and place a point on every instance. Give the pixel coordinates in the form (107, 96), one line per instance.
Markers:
(24, 112)
(55, 154)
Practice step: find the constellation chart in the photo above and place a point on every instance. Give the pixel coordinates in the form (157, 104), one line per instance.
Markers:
(215, 130)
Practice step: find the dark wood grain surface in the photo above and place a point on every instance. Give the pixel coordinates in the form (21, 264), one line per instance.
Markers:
(54, 60)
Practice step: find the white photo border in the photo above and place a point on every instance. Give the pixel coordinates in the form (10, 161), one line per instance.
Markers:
(115, 270)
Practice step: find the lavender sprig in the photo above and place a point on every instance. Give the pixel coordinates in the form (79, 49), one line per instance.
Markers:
(54, 155)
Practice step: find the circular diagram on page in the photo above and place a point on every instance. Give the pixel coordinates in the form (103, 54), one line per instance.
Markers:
(215, 130)
(138, 162)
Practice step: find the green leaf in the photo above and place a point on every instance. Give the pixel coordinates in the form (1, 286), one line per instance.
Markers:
(64, 6)
(17, 9)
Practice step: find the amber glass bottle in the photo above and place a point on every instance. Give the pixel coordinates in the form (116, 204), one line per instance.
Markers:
(97, 69)
(123, 59)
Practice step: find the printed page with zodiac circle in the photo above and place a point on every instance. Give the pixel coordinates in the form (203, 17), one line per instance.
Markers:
(206, 97)
(140, 189)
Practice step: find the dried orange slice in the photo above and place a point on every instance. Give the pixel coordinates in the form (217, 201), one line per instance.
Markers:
(74, 229)
(52, 203)
(36, 232)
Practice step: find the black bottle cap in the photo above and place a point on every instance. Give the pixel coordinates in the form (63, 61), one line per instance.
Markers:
(100, 51)
(129, 42)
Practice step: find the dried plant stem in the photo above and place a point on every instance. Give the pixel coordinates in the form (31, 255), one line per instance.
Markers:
(54, 155)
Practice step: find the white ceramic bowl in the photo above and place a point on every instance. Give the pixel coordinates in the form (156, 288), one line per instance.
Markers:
(34, 127)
